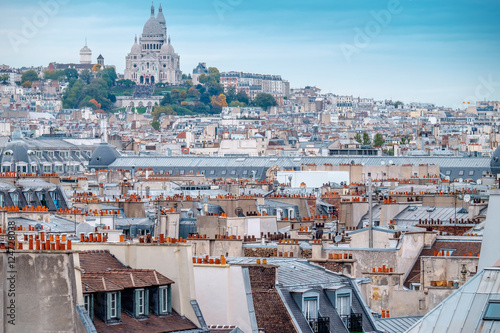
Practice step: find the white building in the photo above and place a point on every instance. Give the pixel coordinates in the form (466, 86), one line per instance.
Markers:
(153, 59)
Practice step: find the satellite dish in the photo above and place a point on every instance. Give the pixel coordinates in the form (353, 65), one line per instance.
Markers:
(338, 238)
(382, 162)
(391, 162)
(467, 198)
(479, 182)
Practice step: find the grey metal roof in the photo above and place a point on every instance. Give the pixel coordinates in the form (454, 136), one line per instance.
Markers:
(56, 224)
(298, 273)
(412, 214)
(463, 311)
(196, 161)
(396, 324)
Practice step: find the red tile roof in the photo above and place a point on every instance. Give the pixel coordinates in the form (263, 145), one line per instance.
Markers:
(153, 324)
(97, 283)
(99, 261)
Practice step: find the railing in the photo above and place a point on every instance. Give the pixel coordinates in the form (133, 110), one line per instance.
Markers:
(320, 324)
(353, 322)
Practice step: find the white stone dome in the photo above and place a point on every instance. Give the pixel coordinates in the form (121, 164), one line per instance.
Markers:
(152, 27)
(136, 48)
(167, 48)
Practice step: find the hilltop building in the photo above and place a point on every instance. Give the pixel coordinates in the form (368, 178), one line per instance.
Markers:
(153, 59)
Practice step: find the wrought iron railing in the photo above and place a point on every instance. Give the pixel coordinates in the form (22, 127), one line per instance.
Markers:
(353, 322)
(320, 324)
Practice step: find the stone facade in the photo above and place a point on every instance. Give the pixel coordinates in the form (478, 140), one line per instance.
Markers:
(153, 59)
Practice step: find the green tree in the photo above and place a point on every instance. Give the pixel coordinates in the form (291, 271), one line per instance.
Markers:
(366, 139)
(264, 101)
(358, 138)
(26, 84)
(155, 124)
(86, 76)
(109, 75)
(158, 111)
(54, 75)
(378, 141)
(242, 97)
(125, 83)
(203, 78)
(29, 75)
(166, 100)
(175, 96)
(71, 73)
(214, 74)
(4, 78)
(231, 94)
(236, 104)
(193, 92)
(398, 103)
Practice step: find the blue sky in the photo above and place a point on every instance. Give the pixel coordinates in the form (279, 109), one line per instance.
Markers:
(444, 52)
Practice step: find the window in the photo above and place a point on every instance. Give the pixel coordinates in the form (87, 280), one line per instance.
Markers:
(164, 299)
(279, 213)
(15, 198)
(113, 305)
(140, 301)
(448, 172)
(86, 302)
(492, 310)
(311, 308)
(471, 173)
(212, 172)
(233, 172)
(224, 172)
(344, 305)
(461, 173)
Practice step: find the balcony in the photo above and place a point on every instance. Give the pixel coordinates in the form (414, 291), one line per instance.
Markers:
(320, 324)
(353, 322)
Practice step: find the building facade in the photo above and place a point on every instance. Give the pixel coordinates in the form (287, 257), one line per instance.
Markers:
(153, 59)
(254, 84)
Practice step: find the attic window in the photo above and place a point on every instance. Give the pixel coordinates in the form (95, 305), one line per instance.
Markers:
(492, 310)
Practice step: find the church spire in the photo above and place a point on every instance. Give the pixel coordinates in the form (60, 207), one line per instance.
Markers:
(160, 10)
(135, 39)
(152, 9)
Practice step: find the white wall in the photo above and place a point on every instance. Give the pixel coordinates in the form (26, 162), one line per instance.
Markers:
(313, 178)
(221, 295)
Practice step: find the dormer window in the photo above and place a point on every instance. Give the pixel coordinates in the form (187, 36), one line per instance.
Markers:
(140, 302)
(311, 308)
(113, 306)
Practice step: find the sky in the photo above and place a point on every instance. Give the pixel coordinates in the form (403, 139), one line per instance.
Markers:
(442, 52)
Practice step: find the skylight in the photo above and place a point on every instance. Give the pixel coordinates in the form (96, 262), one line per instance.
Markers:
(492, 310)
